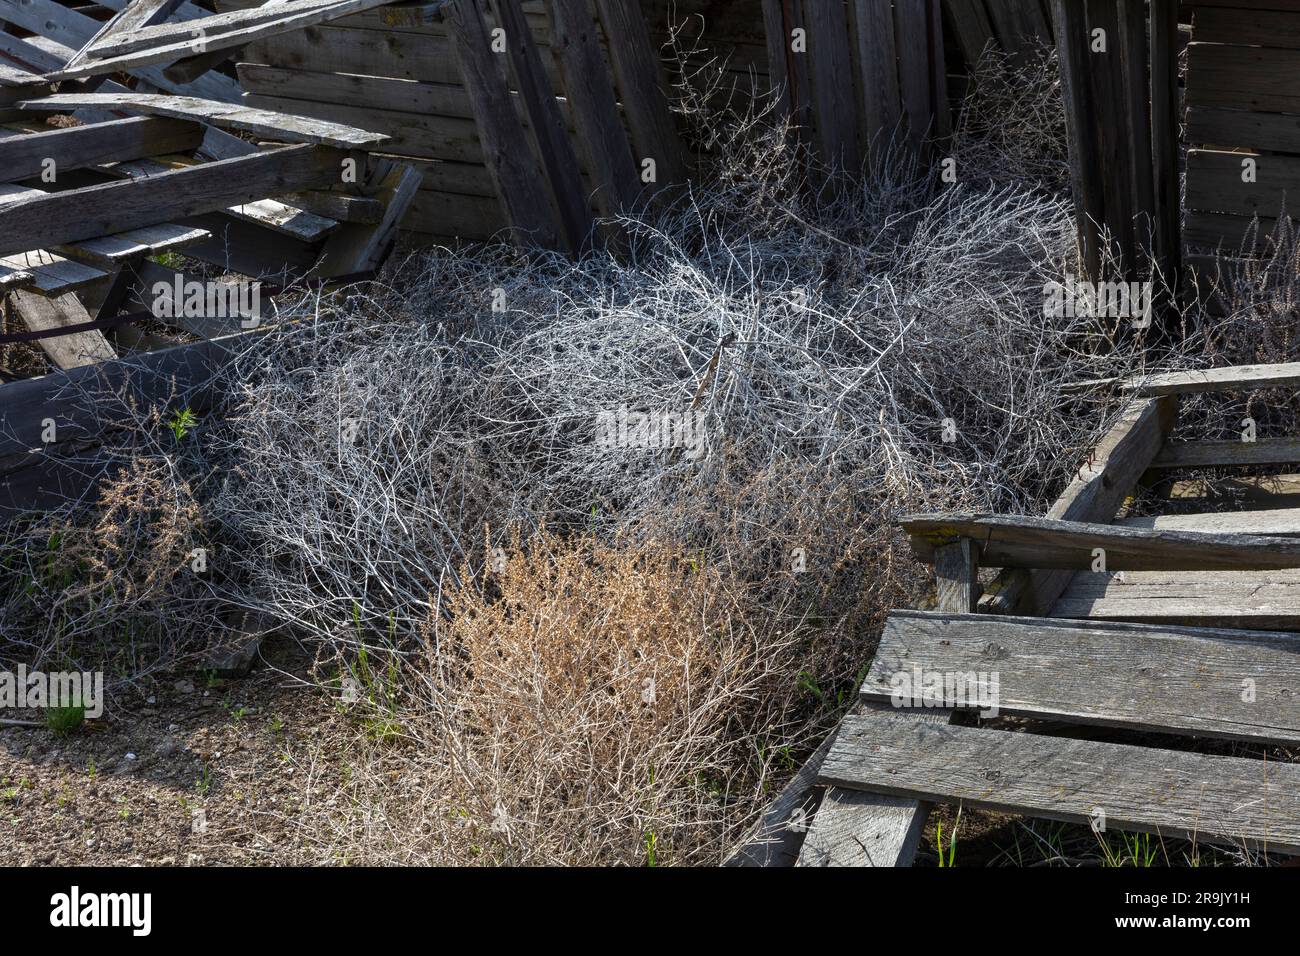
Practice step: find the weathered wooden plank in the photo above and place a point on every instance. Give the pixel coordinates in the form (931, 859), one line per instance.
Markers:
(550, 132)
(338, 206)
(1275, 521)
(643, 90)
(1272, 28)
(595, 112)
(48, 273)
(1007, 541)
(127, 20)
(290, 128)
(872, 26)
(1162, 679)
(124, 246)
(515, 172)
(834, 103)
(74, 350)
(1081, 131)
(1232, 128)
(1207, 454)
(1235, 599)
(1166, 148)
(450, 214)
(1250, 235)
(1231, 799)
(1106, 75)
(185, 44)
(359, 248)
(971, 26)
(1237, 493)
(1264, 71)
(1136, 90)
(778, 56)
(779, 834)
(912, 45)
(1234, 378)
(55, 218)
(368, 92)
(1021, 27)
(73, 29)
(1108, 477)
(77, 147)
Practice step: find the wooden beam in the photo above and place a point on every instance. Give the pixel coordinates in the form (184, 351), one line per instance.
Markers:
(359, 248)
(1271, 521)
(1157, 679)
(1081, 131)
(1233, 378)
(1220, 454)
(77, 147)
(52, 219)
(129, 19)
(1166, 149)
(1007, 541)
(550, 130)
(1136, 88)
(73, 350)
(872, 26)
(293, 129)
(644, 91)
(1235, 800)
(834, 104)
(1110, 474)
(509, 157)
(595, 111)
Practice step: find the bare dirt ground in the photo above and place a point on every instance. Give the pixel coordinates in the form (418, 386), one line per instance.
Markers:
(194, 771)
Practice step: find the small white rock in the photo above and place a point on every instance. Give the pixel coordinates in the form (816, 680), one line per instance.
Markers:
(130, 756)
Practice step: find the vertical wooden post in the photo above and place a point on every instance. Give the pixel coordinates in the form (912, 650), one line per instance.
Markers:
(956, 577)
(873, 35)
(912, 39)
(938, 74)
(1105, 70)
(970, 23)
(1080, 127)
(1164, 145)
(507, 154)
(595, 111)
(550, 130)
(644, 90)
(778, 55)
(831, 67)
(1133, 58)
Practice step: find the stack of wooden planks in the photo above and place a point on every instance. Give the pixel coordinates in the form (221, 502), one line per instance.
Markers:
(1178, 624)
(1243, 94)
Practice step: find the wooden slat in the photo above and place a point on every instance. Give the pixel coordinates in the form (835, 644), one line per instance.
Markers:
(1220, 230)
(872, 27)
(1166, 148)
(55, 218)
(50, 274)
(1263, 71)
(72, 29)
(293, 129)
(185, 44)
(1235, 378)
(779, 834)
(1273, 28)
(41, 314)
(368, 92)
(1081, 131)
(643, 90)
(1212, 454)
(140, 13)
(77, 147)
(595, 113)
(1265, 491)
(912, 44)
(1235, 599)
(550, 132)
(834, 104)
(1108, 476)
(1136, 90)
(1232, 128)
(1107, 78)
(1007, 541)
(971, 25)
(1155, 679)
(778, 57)
(1230, 799)
(360, 248)
(515, 173)
(1275, 521)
